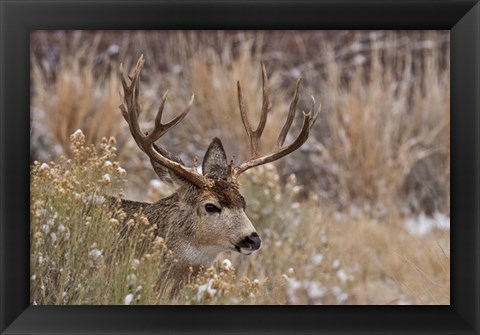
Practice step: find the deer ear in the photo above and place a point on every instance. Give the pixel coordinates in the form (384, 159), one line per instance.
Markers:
(215, 162)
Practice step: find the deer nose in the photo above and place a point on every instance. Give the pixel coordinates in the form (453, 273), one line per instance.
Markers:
(251, 242)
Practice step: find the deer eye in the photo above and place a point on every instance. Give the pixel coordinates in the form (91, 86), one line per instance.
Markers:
(211, 208)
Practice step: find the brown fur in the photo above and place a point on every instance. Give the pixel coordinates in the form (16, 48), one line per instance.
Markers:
(227, 194)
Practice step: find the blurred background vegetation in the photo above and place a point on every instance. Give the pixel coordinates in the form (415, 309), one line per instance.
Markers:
(359, 214)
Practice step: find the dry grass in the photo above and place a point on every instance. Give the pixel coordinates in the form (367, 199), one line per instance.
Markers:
(386, 123)
(334, 232)
(71, 95)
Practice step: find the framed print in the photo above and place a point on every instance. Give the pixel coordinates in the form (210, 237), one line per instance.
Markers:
(296, 166)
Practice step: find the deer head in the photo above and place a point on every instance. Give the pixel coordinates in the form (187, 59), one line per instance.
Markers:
(210, 203)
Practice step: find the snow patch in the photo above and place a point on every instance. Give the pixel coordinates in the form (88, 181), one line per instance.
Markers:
(121, 171)
(206, 290)
(227, 264)
(313, 289)
(78, 133)
(44, 166)
(317, 259)
(154, 183)
(423, 224)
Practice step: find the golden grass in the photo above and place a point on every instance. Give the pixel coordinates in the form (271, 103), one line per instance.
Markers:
(72, 96)
(392, 266)
(384, 123)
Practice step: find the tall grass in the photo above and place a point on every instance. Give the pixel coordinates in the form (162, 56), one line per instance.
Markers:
(385, 120)
(71, 94)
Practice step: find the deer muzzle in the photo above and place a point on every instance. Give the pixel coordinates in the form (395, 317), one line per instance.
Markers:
(249, 244)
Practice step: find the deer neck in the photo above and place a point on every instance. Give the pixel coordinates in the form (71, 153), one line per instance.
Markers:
(197, 255)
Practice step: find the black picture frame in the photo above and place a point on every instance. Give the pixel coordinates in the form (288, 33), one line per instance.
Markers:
(18, 18)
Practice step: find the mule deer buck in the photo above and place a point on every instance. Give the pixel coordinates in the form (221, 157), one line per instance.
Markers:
(206, 214)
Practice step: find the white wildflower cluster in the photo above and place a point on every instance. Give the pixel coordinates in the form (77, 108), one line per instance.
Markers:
(106, 179)
(131, 279)
(95, 254)
(53, 238)
(135, 295)
(128, 299)
(63, 233)
(93, 199)
(45, 228)
(135, 263)
(133, 283)
(112, 171)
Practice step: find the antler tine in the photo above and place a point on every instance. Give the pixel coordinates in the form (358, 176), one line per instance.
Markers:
(266, 106)
(243, 112)
(291, 115)
(254, 135)
(301, 138)
(130, 108)
(158, 117)
(160, 128)
(313, 112)
(279, 151)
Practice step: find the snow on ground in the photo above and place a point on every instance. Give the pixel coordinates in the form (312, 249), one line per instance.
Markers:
(424, 224)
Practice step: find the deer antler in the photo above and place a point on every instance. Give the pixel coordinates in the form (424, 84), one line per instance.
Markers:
(254, 135)
(130, 108)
